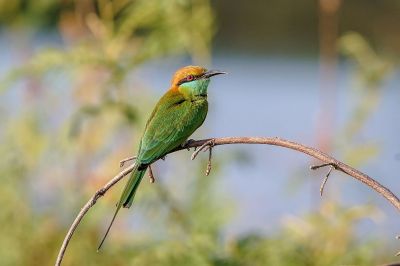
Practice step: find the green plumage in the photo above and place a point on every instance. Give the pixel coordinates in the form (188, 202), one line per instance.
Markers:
(181, 110)
(171, 123)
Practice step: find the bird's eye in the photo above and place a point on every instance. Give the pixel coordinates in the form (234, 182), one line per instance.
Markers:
(190, 78)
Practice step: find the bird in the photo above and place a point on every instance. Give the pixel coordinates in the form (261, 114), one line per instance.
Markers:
(178, 113)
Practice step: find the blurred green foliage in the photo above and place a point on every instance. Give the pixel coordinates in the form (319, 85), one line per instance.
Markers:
(53, 161)
(20, 12)
(323, 238)
(370, 72)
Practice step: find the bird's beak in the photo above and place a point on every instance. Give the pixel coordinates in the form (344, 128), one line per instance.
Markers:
(211, 73)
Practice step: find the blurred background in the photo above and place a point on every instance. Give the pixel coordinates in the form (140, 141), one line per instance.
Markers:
(78, 80)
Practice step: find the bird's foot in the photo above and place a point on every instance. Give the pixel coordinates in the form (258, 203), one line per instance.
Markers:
(122, 162)
(151, 176)
(186, 143)
(332, 166)
(206, 146)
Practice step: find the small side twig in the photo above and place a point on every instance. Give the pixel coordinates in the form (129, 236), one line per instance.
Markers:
(122, 162)
(206, 146)
(208, 170)
(315, 167)
(332, 166)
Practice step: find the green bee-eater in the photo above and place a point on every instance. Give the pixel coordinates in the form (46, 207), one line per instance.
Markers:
(178, 113)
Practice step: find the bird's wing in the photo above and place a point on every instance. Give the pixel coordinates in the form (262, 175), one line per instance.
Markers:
(169, 126)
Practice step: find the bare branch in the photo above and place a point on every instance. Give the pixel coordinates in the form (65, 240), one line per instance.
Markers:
(99, 193)
(328, 160)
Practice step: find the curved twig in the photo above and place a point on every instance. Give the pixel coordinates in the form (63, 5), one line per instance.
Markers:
(99, 193)
(338, 165)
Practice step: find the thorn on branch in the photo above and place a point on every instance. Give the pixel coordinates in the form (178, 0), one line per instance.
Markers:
(151, 176)
(99, 193)
(122, 162)
(332, 166)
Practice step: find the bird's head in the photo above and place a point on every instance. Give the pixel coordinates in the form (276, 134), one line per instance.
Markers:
(193, 81)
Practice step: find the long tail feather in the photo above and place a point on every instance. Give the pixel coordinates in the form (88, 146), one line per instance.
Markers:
(130, 189)
(127, 196)
(109, 227)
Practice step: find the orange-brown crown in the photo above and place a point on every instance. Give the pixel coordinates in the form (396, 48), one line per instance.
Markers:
(184, 72)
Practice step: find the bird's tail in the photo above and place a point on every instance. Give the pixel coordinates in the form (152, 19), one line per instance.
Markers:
(127, 195)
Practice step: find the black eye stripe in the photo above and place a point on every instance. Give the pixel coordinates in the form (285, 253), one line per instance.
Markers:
(185, 79)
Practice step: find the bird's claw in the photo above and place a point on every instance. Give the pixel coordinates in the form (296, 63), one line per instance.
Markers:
(187, 143)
